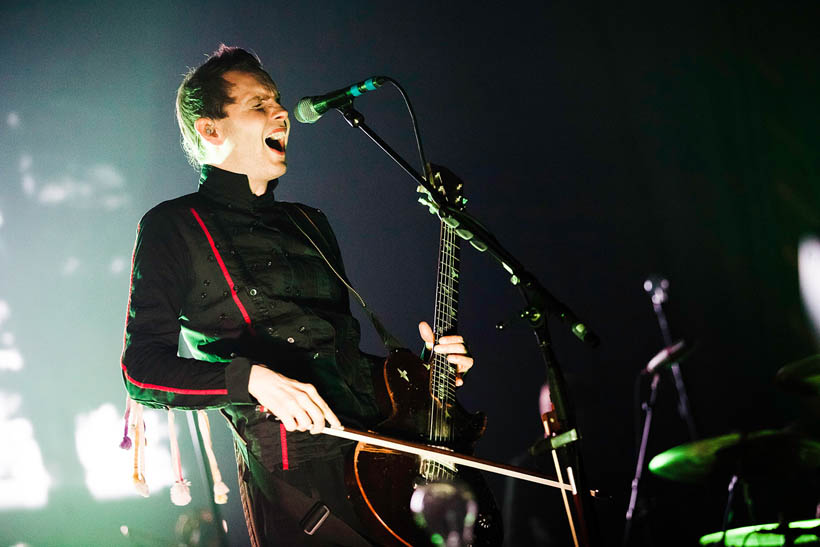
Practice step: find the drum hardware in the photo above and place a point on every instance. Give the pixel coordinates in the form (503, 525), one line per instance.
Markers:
(669, 357)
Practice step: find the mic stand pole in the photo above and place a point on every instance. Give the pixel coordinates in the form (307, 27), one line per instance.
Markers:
(540, 303)
(356, 120)
(648, 408)
(564, 434)
(657, 289)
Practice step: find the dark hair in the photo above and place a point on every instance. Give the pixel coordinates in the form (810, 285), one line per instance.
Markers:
(204, 92)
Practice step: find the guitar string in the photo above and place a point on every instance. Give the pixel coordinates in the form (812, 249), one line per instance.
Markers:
(442, 373)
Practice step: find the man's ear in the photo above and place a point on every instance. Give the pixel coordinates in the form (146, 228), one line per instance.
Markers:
(207, 130)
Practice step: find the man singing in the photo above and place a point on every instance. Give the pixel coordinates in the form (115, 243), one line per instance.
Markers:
(256, 291)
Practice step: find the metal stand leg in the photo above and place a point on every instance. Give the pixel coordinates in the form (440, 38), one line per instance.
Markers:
(647, 424)
(727, 513)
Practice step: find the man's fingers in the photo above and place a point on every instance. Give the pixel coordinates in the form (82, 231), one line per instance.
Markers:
(462, 362)
(451, 339)
(322, 410)
(297, 405)
(288, 422)
(330, 417)
(426, 333)
(451, 348)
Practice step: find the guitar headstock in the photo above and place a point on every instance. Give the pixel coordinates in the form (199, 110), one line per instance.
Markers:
(448, 187)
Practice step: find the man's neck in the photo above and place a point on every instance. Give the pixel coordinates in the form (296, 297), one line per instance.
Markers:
(258, 187)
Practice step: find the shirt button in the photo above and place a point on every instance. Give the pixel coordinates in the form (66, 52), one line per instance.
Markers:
(290, 340)
(252, 292)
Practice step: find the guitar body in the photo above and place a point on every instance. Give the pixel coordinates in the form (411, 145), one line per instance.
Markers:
(419, 401)
(382, 481)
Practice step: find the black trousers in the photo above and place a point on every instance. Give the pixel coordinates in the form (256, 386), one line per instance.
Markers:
(280, 505)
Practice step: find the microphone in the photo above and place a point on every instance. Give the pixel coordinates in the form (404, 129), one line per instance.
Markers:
(668, 356)
(656, 286)
(310, 109)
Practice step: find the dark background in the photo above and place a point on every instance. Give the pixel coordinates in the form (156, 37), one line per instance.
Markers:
(600, 142)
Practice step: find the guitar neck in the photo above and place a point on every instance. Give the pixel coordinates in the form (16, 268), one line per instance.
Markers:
(445, 319)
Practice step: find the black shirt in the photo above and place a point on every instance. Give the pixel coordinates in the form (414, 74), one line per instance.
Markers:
(232, 279)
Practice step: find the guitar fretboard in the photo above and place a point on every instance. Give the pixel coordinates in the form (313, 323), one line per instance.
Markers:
(445, 321)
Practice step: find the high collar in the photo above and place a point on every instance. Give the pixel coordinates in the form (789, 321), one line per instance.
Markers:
(233, 188)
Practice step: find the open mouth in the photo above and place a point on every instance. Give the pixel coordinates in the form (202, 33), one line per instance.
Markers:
(276, 141)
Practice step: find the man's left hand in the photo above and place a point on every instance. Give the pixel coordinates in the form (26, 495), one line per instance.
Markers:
(452, 346)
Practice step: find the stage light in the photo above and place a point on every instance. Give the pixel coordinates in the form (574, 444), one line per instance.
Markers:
(808, 266)
(11, 359)
(70, 265)
(24, 481)
(29, 184)
(25, 162)
(117, 265)
(107, 467)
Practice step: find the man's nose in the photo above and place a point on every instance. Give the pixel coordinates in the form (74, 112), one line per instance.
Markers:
(279, 113)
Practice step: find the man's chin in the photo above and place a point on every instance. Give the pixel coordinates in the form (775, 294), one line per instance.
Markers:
(280, 170)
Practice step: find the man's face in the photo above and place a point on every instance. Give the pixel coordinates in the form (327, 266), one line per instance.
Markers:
(255, 130)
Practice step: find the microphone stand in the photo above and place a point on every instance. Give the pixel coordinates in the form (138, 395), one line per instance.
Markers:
(565, 436)
(656, 287)
(648, 408)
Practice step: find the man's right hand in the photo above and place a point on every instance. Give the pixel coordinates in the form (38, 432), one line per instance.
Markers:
(298, 406)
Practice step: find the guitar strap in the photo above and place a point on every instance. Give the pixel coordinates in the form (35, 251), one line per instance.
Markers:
(390, 342)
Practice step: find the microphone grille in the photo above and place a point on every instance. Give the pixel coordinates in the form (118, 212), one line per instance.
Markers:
(304, 111)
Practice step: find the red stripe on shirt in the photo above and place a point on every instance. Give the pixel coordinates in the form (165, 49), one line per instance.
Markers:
(174, 389)
(222, 267)
(283, 438)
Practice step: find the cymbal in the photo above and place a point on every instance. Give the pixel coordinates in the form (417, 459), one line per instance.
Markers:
(766, 453)
(802, 532)
(801, 377)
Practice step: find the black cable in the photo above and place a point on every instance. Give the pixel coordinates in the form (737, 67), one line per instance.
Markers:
(415, 124)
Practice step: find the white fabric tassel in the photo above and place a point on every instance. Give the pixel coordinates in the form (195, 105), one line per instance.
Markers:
(220, 488)
(139, 449)
(181, 490)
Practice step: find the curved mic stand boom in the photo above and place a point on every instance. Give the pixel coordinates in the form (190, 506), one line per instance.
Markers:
(540, 303)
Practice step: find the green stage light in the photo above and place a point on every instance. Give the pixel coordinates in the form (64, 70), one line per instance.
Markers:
(763, 535)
